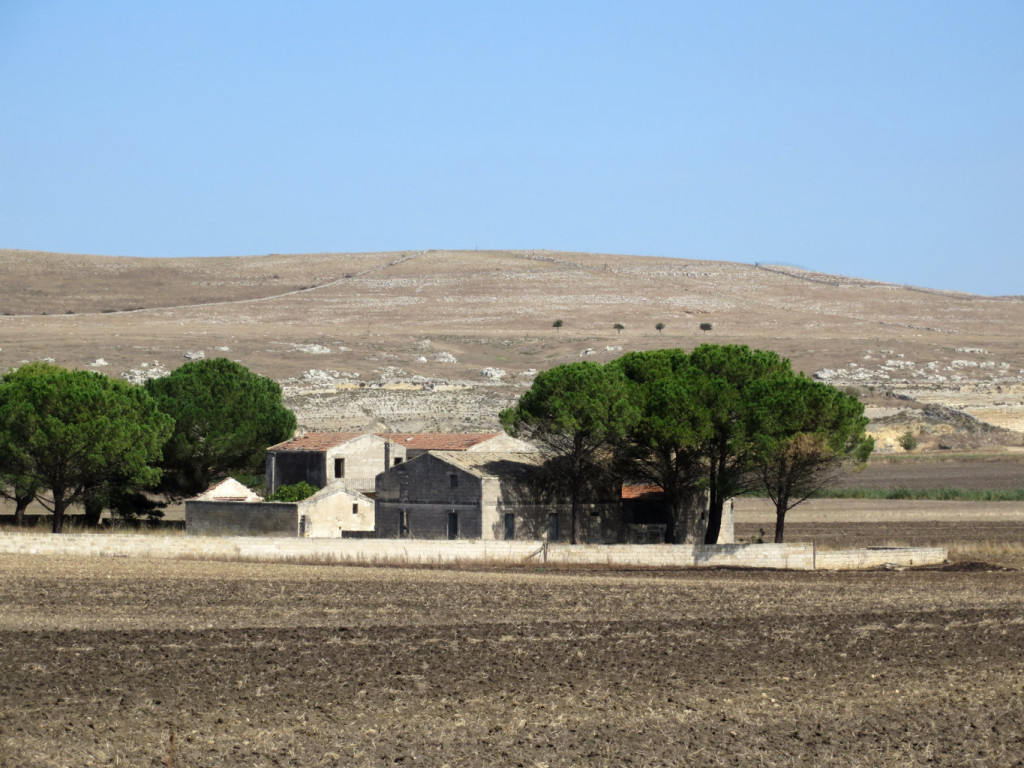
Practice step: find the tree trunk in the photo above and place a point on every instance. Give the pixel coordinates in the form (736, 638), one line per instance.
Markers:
(20, 505)
(58, 513)
(780, 519)
(715, 506)
(574, 515)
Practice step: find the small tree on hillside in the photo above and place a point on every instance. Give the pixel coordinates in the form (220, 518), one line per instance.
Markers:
(907, 441)
(660, 327)
(706, 327)
(619, 328)
(557, 324)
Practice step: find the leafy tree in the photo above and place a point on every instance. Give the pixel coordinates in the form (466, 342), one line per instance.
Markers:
(576, 413)
(722, 392)
(292, 493)
(802, 431)
(557, 324)
(619, 328)
(660, 327)
(72, 431)
(224, 415)
(662, 445)
(706, 327)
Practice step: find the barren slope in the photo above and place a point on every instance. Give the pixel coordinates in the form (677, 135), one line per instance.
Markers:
(368, 340)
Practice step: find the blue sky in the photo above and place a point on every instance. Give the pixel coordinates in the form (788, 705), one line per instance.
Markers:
(877, 139)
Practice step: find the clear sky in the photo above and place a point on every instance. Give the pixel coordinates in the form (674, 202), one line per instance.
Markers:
(877, 138)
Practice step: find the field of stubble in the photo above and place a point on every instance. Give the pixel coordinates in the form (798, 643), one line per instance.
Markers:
(150, 663)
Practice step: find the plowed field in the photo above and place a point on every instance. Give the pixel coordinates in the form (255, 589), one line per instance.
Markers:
(149, 663)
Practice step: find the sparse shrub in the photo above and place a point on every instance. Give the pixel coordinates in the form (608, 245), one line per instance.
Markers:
(706, 327)
(907, 441)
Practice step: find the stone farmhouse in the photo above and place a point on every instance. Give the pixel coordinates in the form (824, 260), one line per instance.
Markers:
(481, 495)
(229, 508)
(486, 486)
(356, 458)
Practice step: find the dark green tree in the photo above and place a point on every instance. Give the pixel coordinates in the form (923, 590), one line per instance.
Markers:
(576, 413)
(663, 445)
(724, 383)
(225, 417)
(619, 328)
(802, 431)
(72, 431)
(557, 324)
(660, 327)
(706, 327)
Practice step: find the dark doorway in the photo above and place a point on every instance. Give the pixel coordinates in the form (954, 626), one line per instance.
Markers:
(510, 526)
(453, 525)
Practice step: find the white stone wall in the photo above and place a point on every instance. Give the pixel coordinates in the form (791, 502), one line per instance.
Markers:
(413, 552)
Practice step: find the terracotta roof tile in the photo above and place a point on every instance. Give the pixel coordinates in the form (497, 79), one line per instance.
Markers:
(637, 491)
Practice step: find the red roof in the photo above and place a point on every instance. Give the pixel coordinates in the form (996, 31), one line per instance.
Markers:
(439, 441)
(435, 441)
(316, 441)
(637, 491)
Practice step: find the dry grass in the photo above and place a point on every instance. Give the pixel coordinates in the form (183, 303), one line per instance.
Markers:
(372, 311)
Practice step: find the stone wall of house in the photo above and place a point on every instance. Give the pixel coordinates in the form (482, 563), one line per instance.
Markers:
(240, 518)
(364, 458)
(428, 491)
(335, 511)
(406, 552)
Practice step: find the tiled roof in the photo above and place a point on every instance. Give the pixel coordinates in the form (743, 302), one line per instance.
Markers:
(439, 441)
(492, 463)
(637, 491)
(316, 441)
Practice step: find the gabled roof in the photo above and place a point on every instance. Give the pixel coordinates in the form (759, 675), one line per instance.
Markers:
(439, 441)
(228, 489)
(317, 441)
(335, 489)
(500, 464)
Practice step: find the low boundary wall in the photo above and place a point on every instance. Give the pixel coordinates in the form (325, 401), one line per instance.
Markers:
(800, 557)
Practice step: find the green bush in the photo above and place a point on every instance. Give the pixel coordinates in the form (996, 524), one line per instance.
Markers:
(292, 493)
(907, 441)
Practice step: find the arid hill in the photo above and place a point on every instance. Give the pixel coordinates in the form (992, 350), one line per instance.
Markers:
(443, 339)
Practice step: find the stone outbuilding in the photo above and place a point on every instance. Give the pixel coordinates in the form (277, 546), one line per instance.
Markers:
(231, 509)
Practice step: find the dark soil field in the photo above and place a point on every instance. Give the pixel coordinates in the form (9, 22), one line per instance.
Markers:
(152, 663)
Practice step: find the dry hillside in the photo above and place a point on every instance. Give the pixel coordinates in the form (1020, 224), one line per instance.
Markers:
(443, 339)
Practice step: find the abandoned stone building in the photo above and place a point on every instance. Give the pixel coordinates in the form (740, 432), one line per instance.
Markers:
(322, 458)
(229, 508)
(482, 495)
